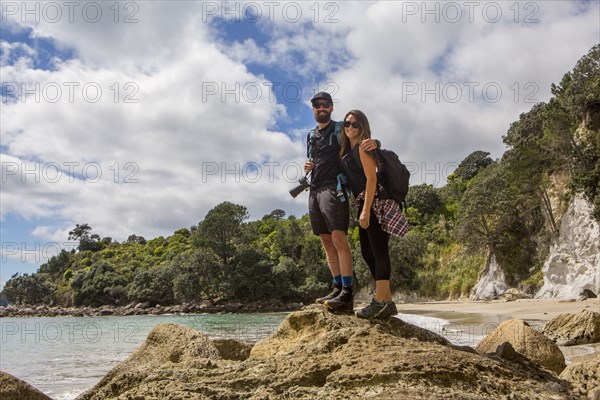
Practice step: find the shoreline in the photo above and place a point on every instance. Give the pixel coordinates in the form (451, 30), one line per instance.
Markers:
(144, 309)
(528, 309)
(467, 311)
(488, 314)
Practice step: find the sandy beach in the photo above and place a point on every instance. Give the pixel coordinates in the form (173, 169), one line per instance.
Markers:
(527, 309)
(480, 317)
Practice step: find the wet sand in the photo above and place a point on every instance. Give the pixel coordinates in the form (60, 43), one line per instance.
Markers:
(476, 319)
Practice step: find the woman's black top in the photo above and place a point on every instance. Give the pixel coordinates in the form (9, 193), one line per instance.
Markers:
(354, 171)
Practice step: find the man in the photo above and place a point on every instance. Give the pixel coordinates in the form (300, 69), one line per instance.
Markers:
(328, 208)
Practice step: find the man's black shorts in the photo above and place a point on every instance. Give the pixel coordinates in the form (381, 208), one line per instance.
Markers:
(326, 212)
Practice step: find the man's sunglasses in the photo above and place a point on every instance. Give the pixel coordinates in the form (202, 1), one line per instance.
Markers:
(325, 104)
(354, 124)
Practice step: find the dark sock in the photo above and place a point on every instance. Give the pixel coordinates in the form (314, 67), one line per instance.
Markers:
(347, 280)
(337, 279)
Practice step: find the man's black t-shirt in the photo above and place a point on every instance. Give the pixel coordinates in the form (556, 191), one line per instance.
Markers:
(325, 157)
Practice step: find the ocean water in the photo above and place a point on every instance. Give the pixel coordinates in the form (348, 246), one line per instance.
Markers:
(64, 356)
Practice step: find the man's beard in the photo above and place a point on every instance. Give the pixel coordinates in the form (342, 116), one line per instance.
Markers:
(323, 117)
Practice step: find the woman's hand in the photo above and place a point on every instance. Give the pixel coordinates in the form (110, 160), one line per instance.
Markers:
(369, 144)
(365, 218)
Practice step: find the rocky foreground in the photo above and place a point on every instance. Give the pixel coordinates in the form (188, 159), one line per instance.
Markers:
(318, 355)
(12, 388)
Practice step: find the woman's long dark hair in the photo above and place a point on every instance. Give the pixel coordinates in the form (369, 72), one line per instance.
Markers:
(364, 130)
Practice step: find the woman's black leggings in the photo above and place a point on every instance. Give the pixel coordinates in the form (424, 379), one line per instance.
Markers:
(374, 247)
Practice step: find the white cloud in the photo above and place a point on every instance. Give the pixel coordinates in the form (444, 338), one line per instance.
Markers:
(9, 49)
(393, 57)
(183, 148)
(162, 143)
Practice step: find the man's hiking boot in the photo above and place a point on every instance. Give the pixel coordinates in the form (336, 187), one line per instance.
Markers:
(337, 289)
(377, 309)
(392, 307)
(343, 302)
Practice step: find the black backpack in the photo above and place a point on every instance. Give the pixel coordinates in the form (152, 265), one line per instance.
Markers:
(393, 176)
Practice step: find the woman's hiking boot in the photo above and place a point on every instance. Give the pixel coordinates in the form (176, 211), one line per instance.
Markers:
(337, 289)
(377, 309)
(344, 302)
(392, 307)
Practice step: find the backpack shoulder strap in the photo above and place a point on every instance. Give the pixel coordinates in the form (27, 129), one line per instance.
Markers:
(310, 140)
(337, 132)
(355, 157)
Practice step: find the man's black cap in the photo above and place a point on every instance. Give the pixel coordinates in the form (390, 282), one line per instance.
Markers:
(321, 95)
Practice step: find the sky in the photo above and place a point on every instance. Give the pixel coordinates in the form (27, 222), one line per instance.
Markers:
(138, 117)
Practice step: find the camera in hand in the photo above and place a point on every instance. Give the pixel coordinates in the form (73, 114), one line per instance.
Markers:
(303, 184)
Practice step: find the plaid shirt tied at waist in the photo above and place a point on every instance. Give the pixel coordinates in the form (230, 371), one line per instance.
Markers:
(388, 213)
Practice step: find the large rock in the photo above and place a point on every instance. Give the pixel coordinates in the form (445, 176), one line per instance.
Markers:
(585, 377)
(492, 282)
(573, 263)
(573, 329)
(167, 347)
(232, 349)
(318, 355)
(526, 341)
(12, 388)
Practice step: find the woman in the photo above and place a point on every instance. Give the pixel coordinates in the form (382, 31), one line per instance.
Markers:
(375, 215)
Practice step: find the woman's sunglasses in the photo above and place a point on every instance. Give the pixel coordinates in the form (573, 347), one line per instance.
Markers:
(354, 124)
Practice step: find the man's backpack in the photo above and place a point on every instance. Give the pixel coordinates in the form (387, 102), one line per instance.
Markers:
(393, 176)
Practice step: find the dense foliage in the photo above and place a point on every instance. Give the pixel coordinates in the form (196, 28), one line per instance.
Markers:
(507, 207)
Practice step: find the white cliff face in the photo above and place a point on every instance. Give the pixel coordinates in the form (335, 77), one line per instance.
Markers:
(492, 282)
(573, 263)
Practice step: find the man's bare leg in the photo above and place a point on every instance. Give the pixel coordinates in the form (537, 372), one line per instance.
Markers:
(333, 262)
(331, 254)
(344, 302)
(344, 255)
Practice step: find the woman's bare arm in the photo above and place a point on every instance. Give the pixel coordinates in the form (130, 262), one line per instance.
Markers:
(370, 169)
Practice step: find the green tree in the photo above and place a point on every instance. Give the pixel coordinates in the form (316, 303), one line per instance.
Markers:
(470, 166)
(424, 198)
(496, 216)
(56, 265)
(289, 277)
(219, 229)
(287, 241)
(530, 159)
(136, 239)
(313, 261)
(578, 100)
(87, 241)
(456, 185)
(101, 285)
(278, 213)
(153, 285)
(582, 95)
(182, 232)
(29, 289)
(199, 273)
(406, 260)
(251, 275)
(484, 204)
